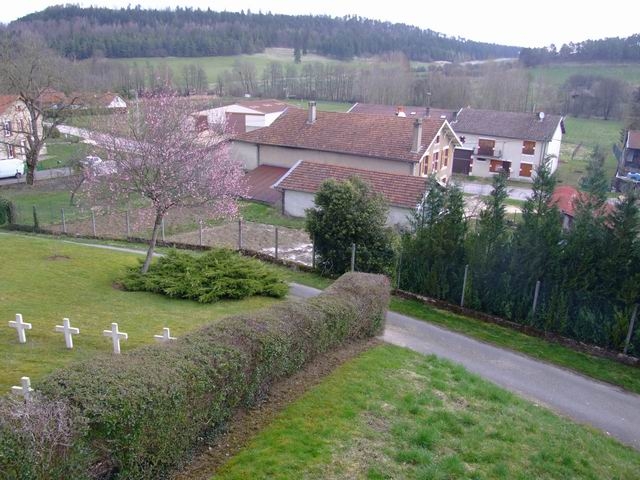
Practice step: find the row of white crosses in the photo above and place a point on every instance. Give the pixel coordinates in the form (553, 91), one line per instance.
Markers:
(68, 331)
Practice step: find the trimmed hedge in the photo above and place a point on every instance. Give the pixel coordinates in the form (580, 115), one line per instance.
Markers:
(7, 211)
(147, 410)
(218, 274)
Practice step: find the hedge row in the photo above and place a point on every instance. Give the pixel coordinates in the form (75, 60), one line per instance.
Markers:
(140, 414)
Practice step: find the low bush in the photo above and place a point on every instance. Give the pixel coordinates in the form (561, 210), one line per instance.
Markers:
(147, 410)
(216, 275)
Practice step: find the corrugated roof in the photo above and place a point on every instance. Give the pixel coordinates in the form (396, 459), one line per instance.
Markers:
(633, 140)
(399, 190)
(518, 125)
(351, 133)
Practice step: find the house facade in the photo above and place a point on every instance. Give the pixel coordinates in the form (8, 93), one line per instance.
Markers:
(386, 144)
(514, 142)
(16, 125)
(300, 184)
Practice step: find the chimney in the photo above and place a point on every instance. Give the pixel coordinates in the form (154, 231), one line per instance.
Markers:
(427, 111)
(400, 112)
(540, 116)
(312, 113)
(417, 136)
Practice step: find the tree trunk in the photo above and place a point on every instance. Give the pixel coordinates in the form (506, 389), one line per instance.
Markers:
(152, 243)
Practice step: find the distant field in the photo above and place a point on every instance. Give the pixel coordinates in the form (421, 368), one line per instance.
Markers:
(214, 66)
(556, 75)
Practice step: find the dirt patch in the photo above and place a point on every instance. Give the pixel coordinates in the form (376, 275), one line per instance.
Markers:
(54, 258)
(248, 422)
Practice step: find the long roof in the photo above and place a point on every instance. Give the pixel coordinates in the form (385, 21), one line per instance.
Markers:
(517, 125)
(410, 111)
(350, 133)
(399, 190)
(633, 139)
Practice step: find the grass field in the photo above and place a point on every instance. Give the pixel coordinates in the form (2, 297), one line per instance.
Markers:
(46, 280)
(214, 66)
(556, 75)
(392, 413)
(582, 135)
(61, 152)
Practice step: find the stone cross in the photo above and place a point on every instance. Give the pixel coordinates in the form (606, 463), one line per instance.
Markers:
(25, 390)
(115, 336)
(68, 331)
(165, 337)
(20, 326)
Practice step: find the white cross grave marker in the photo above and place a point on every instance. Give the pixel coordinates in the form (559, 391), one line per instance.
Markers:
(68, 331)
(115, 336)
(165, 337)
(20, 326)
(25, 390)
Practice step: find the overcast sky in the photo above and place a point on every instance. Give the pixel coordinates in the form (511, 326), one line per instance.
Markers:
(530, 24)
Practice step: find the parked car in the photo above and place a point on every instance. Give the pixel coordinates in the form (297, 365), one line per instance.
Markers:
(12, 167)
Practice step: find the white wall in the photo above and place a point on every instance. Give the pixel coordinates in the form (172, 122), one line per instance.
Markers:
(117, 102)
(247, 153)
(295, 204)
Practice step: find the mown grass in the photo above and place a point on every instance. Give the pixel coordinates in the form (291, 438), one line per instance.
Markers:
(594, 367)
(263, 213)
(61, 153)
(392, 413)
(556, 75)
(581, 137)
(48, 198)
(47, 279)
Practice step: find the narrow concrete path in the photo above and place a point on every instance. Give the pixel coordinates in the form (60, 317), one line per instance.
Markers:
(587, 401)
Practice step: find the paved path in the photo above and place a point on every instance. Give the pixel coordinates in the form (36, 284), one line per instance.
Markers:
(40, 175)
(484, 189)
(582, 399)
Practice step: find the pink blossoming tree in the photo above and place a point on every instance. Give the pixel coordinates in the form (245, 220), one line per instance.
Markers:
(155, 152)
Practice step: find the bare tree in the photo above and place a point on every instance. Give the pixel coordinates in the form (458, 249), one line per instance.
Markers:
(31, 70)
(157, 154)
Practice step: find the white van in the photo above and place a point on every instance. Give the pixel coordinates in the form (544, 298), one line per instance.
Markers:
(12, 167)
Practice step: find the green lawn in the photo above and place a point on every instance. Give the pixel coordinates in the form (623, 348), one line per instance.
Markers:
(556, 75)
(582, 135)
(323, 106)
(46, 280)
(391, 413)
(48, 198)
(262, 213)
(594, 367)
(61, 152)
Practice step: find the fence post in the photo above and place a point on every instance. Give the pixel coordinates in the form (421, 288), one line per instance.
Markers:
(634, 315)
(464, 284)
(535, 298)
(36, 224)
(162, 230)
(276, 243)
(398, 270)
(353, 257)
(313, 253)
(64, 221)
(239, 234)
(93, 223)
(200, 230)
(128, 225)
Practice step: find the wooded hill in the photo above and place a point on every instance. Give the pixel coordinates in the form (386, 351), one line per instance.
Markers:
(81, 33)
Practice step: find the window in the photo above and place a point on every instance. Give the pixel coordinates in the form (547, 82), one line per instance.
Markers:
(528, 147)
(11, 151)
(436, 156)
(423, 165)
(446, 157)
(438, 139)
(21, 125)
(525, 169)
(6, 126)
(496, 166)
(485, 147)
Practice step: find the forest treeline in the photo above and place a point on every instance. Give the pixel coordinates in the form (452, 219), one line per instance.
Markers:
(81, 33)
(614, 49)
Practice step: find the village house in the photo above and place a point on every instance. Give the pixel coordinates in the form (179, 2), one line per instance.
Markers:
(303, 180)
(99, 101)
(16, 125)
(241, 117)
(514, 142)
(399, 146)
(628, 171)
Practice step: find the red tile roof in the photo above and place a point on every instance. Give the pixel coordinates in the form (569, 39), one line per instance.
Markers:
(399, 190)
(6, 101)
(351, 133)
(633, 140)
(410, 110)
(563, 197)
